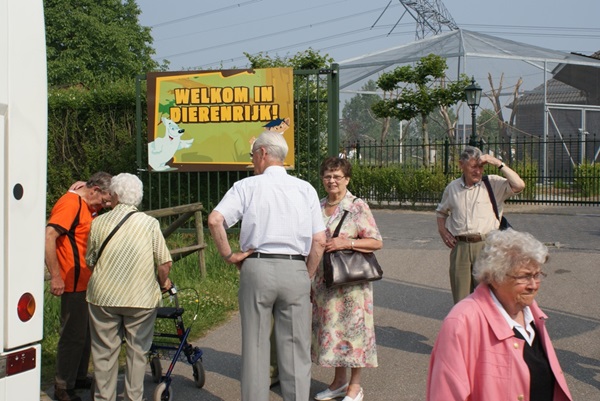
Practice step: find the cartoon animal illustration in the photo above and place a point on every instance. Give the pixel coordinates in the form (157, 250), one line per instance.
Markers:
(162, 149)
(278, 125)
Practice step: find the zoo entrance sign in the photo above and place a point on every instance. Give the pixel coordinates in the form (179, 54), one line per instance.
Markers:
(208, 120)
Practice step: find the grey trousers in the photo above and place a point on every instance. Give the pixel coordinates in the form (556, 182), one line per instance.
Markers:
(109, 326)
(73, 351)
(280, 290)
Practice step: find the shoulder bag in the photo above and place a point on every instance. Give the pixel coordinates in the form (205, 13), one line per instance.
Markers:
(504, 224)
(349, 266)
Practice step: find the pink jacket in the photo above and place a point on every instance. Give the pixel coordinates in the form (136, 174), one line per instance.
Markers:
(477, 357)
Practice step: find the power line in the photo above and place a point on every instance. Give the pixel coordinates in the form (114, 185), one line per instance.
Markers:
(271, 34)
(524, 31)
(218, 10)
(295, 45)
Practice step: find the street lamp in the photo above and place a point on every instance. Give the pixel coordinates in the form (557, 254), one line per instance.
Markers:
(473, 93)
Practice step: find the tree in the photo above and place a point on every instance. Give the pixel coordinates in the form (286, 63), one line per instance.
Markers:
(503, 127)
(305, 60)
(425, 89)
(488, 125)
(437, 126)
(91, 42)
(359, 122)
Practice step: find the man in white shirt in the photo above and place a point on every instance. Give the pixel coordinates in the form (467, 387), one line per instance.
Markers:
(282, 239)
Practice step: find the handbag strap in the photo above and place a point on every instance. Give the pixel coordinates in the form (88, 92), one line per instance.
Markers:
(339, 226)
(486, 181)
(113, 233)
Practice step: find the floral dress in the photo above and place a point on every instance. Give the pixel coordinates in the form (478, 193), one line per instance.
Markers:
(342, 319)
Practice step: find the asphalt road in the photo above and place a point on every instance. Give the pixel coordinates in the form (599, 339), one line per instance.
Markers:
(414, 297)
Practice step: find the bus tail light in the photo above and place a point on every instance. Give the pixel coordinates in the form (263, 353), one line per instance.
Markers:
(26, 307)
(18, 362)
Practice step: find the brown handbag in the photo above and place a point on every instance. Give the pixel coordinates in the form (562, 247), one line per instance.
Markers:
(349, 267)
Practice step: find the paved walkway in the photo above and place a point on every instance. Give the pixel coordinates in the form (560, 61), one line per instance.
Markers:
(414, 297)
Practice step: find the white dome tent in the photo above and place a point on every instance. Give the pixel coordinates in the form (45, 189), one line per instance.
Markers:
(487, 57)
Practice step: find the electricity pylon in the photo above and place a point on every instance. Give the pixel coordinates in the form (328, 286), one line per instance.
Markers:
(431, 17)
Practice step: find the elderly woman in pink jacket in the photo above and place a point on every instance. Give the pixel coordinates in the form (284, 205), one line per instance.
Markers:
(493, 345)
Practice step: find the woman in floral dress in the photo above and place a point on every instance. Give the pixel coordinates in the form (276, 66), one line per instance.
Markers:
(343, 327)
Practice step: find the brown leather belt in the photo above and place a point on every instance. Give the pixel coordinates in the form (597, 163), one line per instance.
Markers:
(469, 238)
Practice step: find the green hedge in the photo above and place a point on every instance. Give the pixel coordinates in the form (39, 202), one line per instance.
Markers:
(89, 130)
(587, 181)
(403, 184)
(528, 171)
(415, 185)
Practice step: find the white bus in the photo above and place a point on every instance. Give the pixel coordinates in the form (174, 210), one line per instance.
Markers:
(23, 137)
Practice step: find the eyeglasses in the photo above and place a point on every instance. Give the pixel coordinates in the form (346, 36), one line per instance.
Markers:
(106, 197)
(336, 178)
(526, 278)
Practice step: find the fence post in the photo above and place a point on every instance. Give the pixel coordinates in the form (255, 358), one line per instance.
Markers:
(200, 240)
(333, 110)
(446, 156)
(138, 122)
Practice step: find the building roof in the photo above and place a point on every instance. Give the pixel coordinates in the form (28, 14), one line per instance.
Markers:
(557, 92)
(460, 44)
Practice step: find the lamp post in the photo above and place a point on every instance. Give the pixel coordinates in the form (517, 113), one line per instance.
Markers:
(473, 93)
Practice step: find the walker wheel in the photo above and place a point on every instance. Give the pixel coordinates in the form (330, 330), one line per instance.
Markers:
(199, 373)
(161, 393)
(156, 369)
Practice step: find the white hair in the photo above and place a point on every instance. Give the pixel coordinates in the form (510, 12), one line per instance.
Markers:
(274, 143)
(128, 188)
(506, 251)
(470, 152)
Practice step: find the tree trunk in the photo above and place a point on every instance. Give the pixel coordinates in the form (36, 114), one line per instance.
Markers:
(450, 126)
(425, 141)
(503, 126)
(385, 128)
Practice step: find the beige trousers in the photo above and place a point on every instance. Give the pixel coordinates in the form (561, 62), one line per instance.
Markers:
(462, 260)
(109, 327)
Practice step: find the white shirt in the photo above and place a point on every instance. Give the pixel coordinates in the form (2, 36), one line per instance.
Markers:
(279, 213)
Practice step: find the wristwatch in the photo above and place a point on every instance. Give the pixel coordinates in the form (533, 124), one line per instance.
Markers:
(502, 165)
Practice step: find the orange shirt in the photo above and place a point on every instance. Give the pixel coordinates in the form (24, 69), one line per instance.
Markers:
(72, 218)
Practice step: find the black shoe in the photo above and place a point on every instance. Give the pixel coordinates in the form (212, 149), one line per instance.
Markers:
(83, 384)
(61, 394)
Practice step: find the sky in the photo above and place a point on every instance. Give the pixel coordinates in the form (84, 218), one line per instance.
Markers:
(200, 34)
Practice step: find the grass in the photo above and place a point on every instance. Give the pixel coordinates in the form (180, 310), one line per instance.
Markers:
(207, 303)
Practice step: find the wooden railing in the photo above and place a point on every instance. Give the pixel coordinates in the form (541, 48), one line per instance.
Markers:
(185, 212)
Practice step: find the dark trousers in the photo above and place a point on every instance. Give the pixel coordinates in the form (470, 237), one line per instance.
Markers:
(73, 353)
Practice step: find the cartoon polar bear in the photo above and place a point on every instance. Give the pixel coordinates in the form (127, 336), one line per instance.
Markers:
(162, 149)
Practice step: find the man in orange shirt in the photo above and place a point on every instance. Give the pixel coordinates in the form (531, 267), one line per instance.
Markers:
(67, 233)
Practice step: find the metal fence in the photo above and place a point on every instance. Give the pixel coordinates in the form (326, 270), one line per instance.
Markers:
(559, 171)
